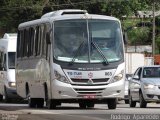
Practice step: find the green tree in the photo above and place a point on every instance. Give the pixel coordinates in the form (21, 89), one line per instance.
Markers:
(139, 36)
(16, 11)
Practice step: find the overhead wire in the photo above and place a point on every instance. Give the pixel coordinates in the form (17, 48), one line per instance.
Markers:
(53, 5)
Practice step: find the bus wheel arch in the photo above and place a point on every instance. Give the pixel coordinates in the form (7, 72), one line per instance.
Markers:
(50, 103)
(31, 101)
(27, 89)
(45, 92)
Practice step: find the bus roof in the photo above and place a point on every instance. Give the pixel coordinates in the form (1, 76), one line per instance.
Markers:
(66, 14)
(8, 42)
(10, 35)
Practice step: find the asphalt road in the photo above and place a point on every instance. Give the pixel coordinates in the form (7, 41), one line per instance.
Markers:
(73, 112)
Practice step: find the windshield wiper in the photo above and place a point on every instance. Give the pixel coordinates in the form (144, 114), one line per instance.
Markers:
(96, 46)
(76, 52)
(100, 52)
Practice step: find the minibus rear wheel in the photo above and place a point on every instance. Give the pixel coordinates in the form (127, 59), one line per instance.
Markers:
(40, 102)
(51, 104)
(6, 98)
(31, 101)
(1, 97)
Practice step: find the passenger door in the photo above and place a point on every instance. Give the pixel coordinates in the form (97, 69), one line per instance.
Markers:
(135, 84)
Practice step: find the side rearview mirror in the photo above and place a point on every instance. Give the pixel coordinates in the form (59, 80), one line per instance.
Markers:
(125, 37)
(136, 77)
(129, 78)
(3, 68)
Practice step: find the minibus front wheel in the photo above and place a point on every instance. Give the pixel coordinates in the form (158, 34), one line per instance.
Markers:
(112, 103)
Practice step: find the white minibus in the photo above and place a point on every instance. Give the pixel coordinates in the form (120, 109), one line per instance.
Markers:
(7, 67)
(70, 56)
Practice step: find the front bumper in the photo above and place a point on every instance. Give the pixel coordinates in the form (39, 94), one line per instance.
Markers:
(152, 95)
(62, 90)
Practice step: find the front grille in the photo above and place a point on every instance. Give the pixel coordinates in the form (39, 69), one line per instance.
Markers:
(89, 91)
(103, 80)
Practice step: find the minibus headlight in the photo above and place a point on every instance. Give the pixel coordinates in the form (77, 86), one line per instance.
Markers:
(60, 77)
(12, 84)
(148, 86)
(118, 77)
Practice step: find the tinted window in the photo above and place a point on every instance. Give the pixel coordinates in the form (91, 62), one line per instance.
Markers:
(11, 60)
(151, 72)
(83, 39)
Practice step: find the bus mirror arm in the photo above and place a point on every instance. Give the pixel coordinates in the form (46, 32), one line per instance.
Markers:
(3, 68)
(125, 37)
(48, 38)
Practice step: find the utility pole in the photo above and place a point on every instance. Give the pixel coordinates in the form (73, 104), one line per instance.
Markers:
(153, 33)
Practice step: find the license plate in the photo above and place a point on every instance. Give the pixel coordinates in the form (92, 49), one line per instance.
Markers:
(89, 96)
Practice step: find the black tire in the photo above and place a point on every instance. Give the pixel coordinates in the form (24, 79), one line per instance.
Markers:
(31, 101)
(6, 97)
(58, 103)
(1, 97)
(112, 103)
(82, 105)
(40, 102)
(126, 101)
(90, 105)
(131, 102)
(51, 104)
(142, 102)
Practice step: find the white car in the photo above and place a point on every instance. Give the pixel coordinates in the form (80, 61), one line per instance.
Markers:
(144, 86)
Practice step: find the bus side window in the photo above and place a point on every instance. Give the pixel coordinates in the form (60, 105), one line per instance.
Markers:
(24, 43)
(32, 37)
(44, 40)
(31, 41)
(5, 62)
(18, 44)
(21, 44)
(27, 43)
(36, 41)
(47, 31)
(39, 40)
(1, 61)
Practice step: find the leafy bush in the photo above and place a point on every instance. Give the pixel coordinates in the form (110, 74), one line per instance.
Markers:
(139, 36)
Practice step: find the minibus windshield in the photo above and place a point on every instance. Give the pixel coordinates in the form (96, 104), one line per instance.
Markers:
(87, 41)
